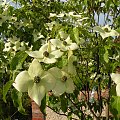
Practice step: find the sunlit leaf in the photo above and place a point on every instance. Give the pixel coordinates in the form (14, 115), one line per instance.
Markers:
(106, 56)
(17, 101)
(6, 88)
(76, 35)
(115, 105)
(18, 60)
(43, 105)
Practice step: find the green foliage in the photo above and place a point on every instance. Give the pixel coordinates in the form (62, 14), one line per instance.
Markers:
(76, 35)
(28, 25)
(17, 60)
(17, 100)
(43, 105)
(115, 104)
(64, 103)
(6, 87)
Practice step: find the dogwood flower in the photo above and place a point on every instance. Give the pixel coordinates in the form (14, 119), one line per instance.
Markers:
(63, 81)
(73, 15)
(116, 78)
(7, 47)
(13, 44)
(105, 31)
(2, 2)
(65, 44)
(37, 36)
(53, 15)
(47, 53)
(16, 45)
(35, 81)
(3, 18)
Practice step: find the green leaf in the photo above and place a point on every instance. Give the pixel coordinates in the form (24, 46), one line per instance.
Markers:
(18, 60)
(106, 58)
(17, 100)
(76, 35)
(64, 103)
(113, 90)
(115, 105)
(43, 105)
(85, 1)
(6, 88)
(118, 30)
(106, 54)
(70, 116)
(63, 35)
(108, 3)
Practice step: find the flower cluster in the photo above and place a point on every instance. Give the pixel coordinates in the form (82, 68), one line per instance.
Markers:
(13, 44)
(72, 18)
(37, 82)
(105, 31)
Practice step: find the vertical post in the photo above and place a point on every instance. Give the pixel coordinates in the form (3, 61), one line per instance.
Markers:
(36, 113)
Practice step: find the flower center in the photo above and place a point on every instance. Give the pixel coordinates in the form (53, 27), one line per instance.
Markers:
(106, 30)
(64, 78)
(38, 35)
(37, 79)
(64, 43)
(46, 54)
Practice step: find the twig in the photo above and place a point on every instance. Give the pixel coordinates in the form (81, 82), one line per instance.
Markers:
(89, 96)
(13, 114)
(81, 110)
(92, 112)
(87, 105)
(75, 105)
(108, 99)
(60, 113)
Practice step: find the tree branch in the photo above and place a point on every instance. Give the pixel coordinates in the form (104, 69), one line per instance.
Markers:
(60, 113)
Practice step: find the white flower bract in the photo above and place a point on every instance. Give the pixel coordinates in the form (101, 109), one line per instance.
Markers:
(63, 82)
(105, 31)
(25, 82)
(116, 78)
(47, 53)
(64, 45)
